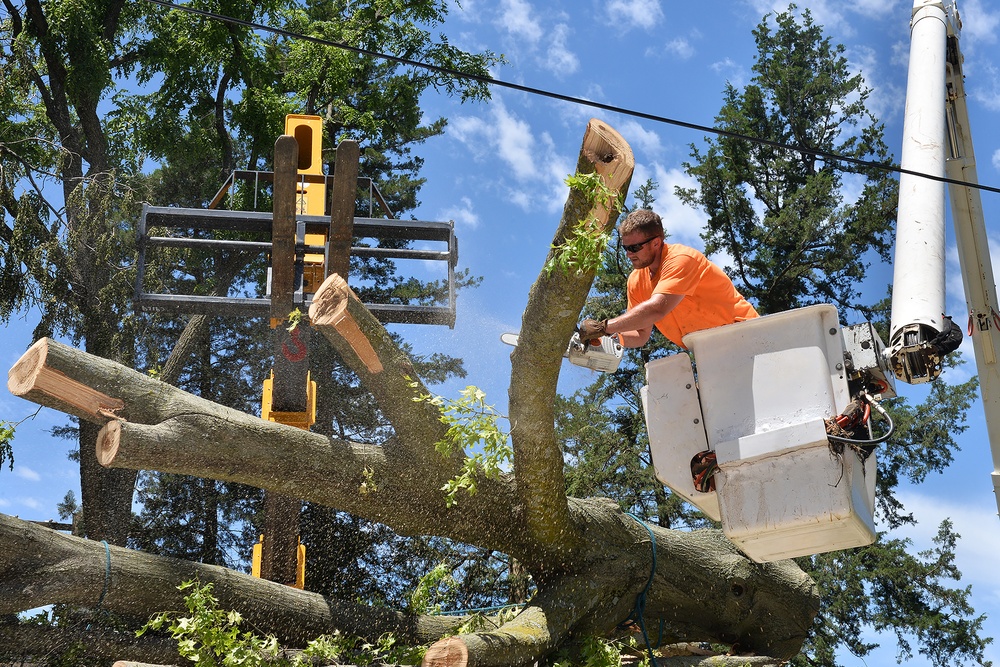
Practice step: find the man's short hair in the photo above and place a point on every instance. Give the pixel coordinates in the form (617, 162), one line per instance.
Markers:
(641, 220)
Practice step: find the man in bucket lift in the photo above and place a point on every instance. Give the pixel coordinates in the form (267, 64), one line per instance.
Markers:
(672, 286)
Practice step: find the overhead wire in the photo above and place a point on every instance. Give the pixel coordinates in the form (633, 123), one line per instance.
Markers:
(438, 69)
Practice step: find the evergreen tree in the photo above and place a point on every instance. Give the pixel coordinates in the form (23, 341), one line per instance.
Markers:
(778, 214)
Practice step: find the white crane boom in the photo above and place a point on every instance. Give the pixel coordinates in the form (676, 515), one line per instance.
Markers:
(919, 263)
(937, 142)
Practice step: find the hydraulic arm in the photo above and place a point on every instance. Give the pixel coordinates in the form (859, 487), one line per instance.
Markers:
(973, 244)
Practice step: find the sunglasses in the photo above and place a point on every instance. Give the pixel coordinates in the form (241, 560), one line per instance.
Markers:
(636, 247)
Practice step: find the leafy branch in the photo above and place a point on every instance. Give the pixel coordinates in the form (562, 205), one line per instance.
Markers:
(471, 422)
(7, 429)
(583, 249)
(211, 637)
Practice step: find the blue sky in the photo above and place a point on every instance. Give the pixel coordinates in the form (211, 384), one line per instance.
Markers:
(498, 172)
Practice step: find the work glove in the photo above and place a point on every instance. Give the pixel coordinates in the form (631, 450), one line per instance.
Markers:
(590, 330)
(949, 339)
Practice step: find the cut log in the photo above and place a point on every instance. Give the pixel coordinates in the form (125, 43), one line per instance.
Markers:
(36, 377)
(449, 652)
(32, 643)
(92, 388)
(330, 310)
(364, 345)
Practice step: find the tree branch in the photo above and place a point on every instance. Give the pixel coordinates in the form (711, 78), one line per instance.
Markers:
(21, 642)
(554, 304)
(534, 632)
(39, 567)
(151, 425)
(384, 370)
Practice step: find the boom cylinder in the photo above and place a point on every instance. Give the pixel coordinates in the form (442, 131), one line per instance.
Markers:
(919, 264)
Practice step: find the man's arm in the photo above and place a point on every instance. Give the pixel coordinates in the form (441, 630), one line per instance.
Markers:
(635, 326)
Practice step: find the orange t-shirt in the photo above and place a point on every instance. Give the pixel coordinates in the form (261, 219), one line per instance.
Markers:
(710, 299)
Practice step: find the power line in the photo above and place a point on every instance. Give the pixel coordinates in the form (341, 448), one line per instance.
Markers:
(827, 155)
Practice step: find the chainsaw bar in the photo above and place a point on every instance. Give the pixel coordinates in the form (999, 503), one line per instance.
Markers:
(604, 357)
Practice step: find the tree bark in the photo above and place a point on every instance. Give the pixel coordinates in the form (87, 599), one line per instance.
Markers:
(40, 567)
(30, 643)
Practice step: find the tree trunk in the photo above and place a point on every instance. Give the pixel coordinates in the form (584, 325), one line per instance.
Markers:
(40, 567)
(30, 644)
(554, 305)
(595, 567)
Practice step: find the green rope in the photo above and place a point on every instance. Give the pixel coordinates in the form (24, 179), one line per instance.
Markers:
(640, 601)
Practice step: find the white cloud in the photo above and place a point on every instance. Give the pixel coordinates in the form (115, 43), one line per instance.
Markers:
(682, 223)
(832, 14)
(900, 54)
(515, 145)
(627, 14)
(876, 8)
(573, 115)
(558, 168)
(558, 58)
(978, 23)
(680, 47)
(644, 143)
(30, 503)
(463, 215)
(532, 163)
(887, 98)
(517, 19)
(499, 133)
(987, 86)
(27, 473)
(824, 12)
(467, 10)
(733, 72)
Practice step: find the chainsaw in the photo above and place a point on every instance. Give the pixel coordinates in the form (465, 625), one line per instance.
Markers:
(600, 354)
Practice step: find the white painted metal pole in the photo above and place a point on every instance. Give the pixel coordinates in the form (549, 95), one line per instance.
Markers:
(918, 273)
(974, 254)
